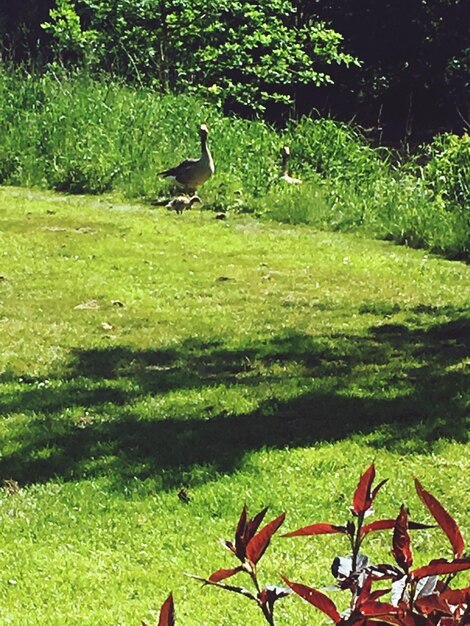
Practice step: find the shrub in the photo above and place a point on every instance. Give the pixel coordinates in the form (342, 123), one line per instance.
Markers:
(242, 52)
(447, 172)
(417, 596)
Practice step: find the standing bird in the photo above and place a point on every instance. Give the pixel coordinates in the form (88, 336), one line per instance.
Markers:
(284, 175)
(181, 203)
(193, 173)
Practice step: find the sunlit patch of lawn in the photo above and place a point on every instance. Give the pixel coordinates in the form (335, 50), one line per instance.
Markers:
(143, 352)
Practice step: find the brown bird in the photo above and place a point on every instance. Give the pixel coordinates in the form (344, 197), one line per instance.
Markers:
(193, 173)
(182, 203)
(284, 175)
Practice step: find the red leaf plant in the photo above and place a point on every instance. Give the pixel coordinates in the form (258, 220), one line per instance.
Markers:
(249, 547)
(417, 597)
(167, 613)
(347, 569)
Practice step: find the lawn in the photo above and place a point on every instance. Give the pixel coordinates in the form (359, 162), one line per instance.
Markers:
(242, 360)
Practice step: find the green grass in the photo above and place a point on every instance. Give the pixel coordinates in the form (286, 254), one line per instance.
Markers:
(77, 134)
(247, 361)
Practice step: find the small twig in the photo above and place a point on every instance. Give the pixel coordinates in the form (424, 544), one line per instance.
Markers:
(133, 63)
(466, 122)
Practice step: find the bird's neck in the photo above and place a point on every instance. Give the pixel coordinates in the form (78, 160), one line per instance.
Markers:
(284, 171)
(205, 153)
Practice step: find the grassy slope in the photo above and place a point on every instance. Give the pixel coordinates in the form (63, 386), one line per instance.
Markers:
(251, 362)
(74, 134)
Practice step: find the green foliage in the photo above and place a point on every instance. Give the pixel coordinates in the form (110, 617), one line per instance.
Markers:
(295, 204)
(73, 133)
(405, 91)
(66, 30)
(246, 52)
(447, 172)
(252, 53)
(370, 189)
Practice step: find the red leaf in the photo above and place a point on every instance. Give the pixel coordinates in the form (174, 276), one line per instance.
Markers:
(456, 596)
(431, 603)
(402, 620)
(414, 619)
(317, 598)
(418, 525)
(376, 489)
(245, 531)
(375, 595)
(402, 541)
(408, 618)
(317, 529)
(362, 498)
(229, 545)
(441, 566)
(222, 574)
(167, 613)
(364, 594)
(443, 518)
(370, 608)
(239, 535)
(253, 524)
(258, 544)
(367, 605)
(381, 524)
(387, 524)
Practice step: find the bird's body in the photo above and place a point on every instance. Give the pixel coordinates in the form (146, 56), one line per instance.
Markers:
(284, 175)
(192, 173)
(182, 203)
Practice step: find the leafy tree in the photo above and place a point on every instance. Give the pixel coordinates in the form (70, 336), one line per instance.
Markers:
(66, 30)
(245, 52)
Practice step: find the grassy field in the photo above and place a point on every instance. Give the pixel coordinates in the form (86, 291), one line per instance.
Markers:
(73, 133)
(245, 361)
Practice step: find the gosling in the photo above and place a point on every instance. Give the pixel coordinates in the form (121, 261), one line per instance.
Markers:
(182, 203)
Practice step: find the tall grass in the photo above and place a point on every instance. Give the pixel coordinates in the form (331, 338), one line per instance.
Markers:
(77, 134)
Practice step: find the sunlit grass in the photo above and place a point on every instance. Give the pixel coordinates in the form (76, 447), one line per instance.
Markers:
(244, 361)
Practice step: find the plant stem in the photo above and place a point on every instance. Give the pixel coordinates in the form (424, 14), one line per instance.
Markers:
(264, 608)
(357, 542)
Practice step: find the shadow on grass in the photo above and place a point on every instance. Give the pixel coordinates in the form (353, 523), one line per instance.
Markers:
(403, 386)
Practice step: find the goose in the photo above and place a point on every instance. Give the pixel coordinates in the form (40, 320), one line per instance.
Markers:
(284, 175)
(193, 173)
(180, 203)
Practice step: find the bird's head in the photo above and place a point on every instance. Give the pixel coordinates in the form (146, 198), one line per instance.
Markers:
(203, 130)
(285, 151)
